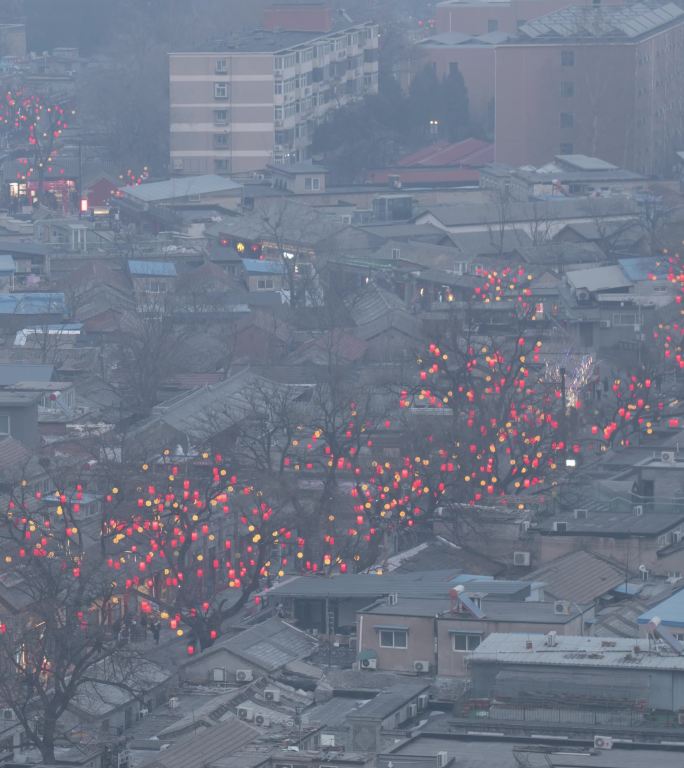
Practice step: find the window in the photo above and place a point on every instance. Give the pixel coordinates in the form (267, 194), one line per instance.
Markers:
(312, 183)
(220, 117)
(220, 90)
(278, 87)
(278, 62)
(393, 638)
(264, 285)
(4, 424)
(222, 65)
(567, 120)
(221, 139)
(565, 148)
(396, 253)
(624, 318)
(568, 58)
(466, 641)
(221, 164)
(278, 113)
(567, 89)
(492, 25)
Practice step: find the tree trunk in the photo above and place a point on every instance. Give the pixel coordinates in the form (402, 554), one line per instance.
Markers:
(47, 743)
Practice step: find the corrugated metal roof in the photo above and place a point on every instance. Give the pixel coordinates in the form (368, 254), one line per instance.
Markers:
(13, 373)
(139, 268)
(670, 611)
(32, 303)
(388, 702)
(183, 186)
(263, 267)
(599, 278)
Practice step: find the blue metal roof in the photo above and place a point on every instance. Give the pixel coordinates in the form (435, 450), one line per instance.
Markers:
(641, 267)
(263, 267)
(670, 611)
(151, 268)
(32, 303)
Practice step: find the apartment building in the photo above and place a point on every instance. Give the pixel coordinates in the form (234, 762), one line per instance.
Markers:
(600, 81)
(258, 100)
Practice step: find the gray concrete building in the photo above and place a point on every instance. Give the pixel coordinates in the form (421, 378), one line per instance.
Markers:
(259, 99)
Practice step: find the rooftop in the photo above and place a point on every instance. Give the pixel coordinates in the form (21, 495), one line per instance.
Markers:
(263, 267)
(599, 278)
(181, 187)
(621, 22)
(139, 268)
(614, 524)
(579, 576)
(13, 373)
(670, 611)
(389, 701)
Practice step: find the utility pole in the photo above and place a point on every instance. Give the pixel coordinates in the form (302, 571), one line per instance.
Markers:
(564, 422)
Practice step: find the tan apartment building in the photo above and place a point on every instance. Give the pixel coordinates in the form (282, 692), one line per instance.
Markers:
(600, 81)
(258, 99)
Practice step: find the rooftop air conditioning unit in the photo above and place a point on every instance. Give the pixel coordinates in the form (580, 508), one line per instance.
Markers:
(245, 713)
(262, 720)
(551, 639)
(369, 663)
(442, 759)
(581, 514)
(173, 702)
(244, 675)
(561, 607)
(638, 509)
(218, 675)
(521, 559)
(421, 666)
(667, 457)
(272, 694)
(603, 742)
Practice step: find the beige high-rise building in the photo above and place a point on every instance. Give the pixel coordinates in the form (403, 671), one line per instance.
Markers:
(259, 99)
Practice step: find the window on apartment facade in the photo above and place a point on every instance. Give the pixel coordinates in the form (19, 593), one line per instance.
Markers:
(4, 424)
(466, 641)
(278, 87)
(220, 117)
(264, 284)
(221, 65)
(221, 164)
(565, 148)
(567, 120)
(220, 139)
(278, 113)
(492, 25)
(220, 90)
(624, 318)
(567, 88)
(311, 183)
(568, 58)
(393, 638)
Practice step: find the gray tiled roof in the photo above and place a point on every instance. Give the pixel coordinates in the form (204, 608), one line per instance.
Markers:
(579, 576)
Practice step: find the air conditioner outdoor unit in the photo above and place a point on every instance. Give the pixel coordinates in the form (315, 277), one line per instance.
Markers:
(638, 509)
(421, 666)
(442, 759)
(581, 514)
(412, 710)
(521, 559)
(603, 742)
(327, 740)
(369, 663)
(218, 675)
(177, 163)
(173, 702)
(560, 527)
(244, 675)
(561, 607)
(605, 323)
(262, 720)
(272, 694)
(245, 713)
(667, 457)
